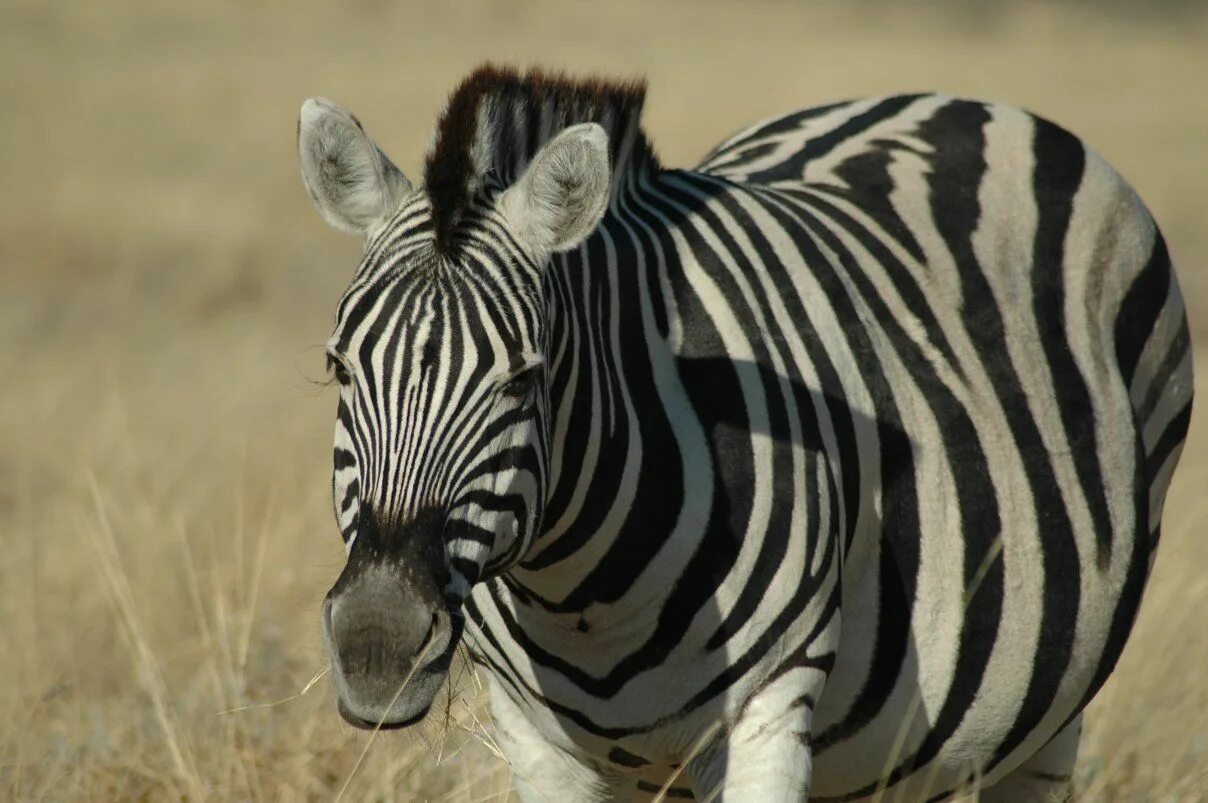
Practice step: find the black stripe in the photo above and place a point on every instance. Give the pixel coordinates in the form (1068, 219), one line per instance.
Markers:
(1174, 434)
(624, 758)
(1161, 376)
(793, 167)
(1129, 600)
(781, 125)
(342, 459)
(1140, 309)
(675, 792)
(1060, 163)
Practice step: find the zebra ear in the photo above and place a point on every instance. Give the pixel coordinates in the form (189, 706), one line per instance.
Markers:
(353, 184)
(559, 200)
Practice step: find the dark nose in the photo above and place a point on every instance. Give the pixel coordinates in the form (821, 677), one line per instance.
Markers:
(377, 630)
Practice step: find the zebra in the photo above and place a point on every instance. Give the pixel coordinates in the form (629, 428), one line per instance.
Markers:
(831, 468)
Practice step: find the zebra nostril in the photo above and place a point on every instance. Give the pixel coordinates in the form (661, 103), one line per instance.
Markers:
(327, 604)
(433, 626)
(375, 657)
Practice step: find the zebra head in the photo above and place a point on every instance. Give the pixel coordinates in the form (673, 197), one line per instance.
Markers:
(442, 431)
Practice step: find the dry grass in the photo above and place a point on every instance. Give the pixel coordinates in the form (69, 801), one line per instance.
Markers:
(165, 536)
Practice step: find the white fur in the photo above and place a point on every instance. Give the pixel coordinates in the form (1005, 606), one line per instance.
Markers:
(353, 184)
(562, 195)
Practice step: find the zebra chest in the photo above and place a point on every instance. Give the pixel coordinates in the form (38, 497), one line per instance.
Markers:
(631, 692)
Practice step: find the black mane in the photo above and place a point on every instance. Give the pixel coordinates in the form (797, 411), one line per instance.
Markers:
(497, 118)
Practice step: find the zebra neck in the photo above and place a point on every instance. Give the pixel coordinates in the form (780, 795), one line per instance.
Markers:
(606, 338)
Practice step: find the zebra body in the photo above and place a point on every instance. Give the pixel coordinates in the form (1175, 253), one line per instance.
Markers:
(839, 461)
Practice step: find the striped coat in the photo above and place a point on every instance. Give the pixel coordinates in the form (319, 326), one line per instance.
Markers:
(842, 466)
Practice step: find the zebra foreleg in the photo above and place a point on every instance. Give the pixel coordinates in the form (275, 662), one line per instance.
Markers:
(766, 754)
(541, 772)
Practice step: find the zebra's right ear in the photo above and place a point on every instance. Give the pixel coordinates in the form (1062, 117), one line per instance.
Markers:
(353, 184)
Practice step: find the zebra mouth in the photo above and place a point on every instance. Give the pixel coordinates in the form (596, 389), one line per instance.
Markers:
(368, 725)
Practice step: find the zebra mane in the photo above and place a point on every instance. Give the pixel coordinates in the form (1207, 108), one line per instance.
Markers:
(498, 118)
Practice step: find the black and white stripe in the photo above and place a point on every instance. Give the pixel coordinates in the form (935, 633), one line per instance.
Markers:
(854, 439)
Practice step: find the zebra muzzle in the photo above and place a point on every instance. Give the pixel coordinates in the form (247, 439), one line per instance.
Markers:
(388, 649)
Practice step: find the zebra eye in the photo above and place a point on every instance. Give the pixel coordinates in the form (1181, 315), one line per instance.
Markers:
(522, 384)
(337, 369)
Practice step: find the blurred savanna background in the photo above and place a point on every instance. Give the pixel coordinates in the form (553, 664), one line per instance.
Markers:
(165, 289)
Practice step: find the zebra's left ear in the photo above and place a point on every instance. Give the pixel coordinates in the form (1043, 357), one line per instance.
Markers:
(559, 200)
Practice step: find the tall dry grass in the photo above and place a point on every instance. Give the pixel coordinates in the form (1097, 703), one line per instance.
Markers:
(165, 536)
